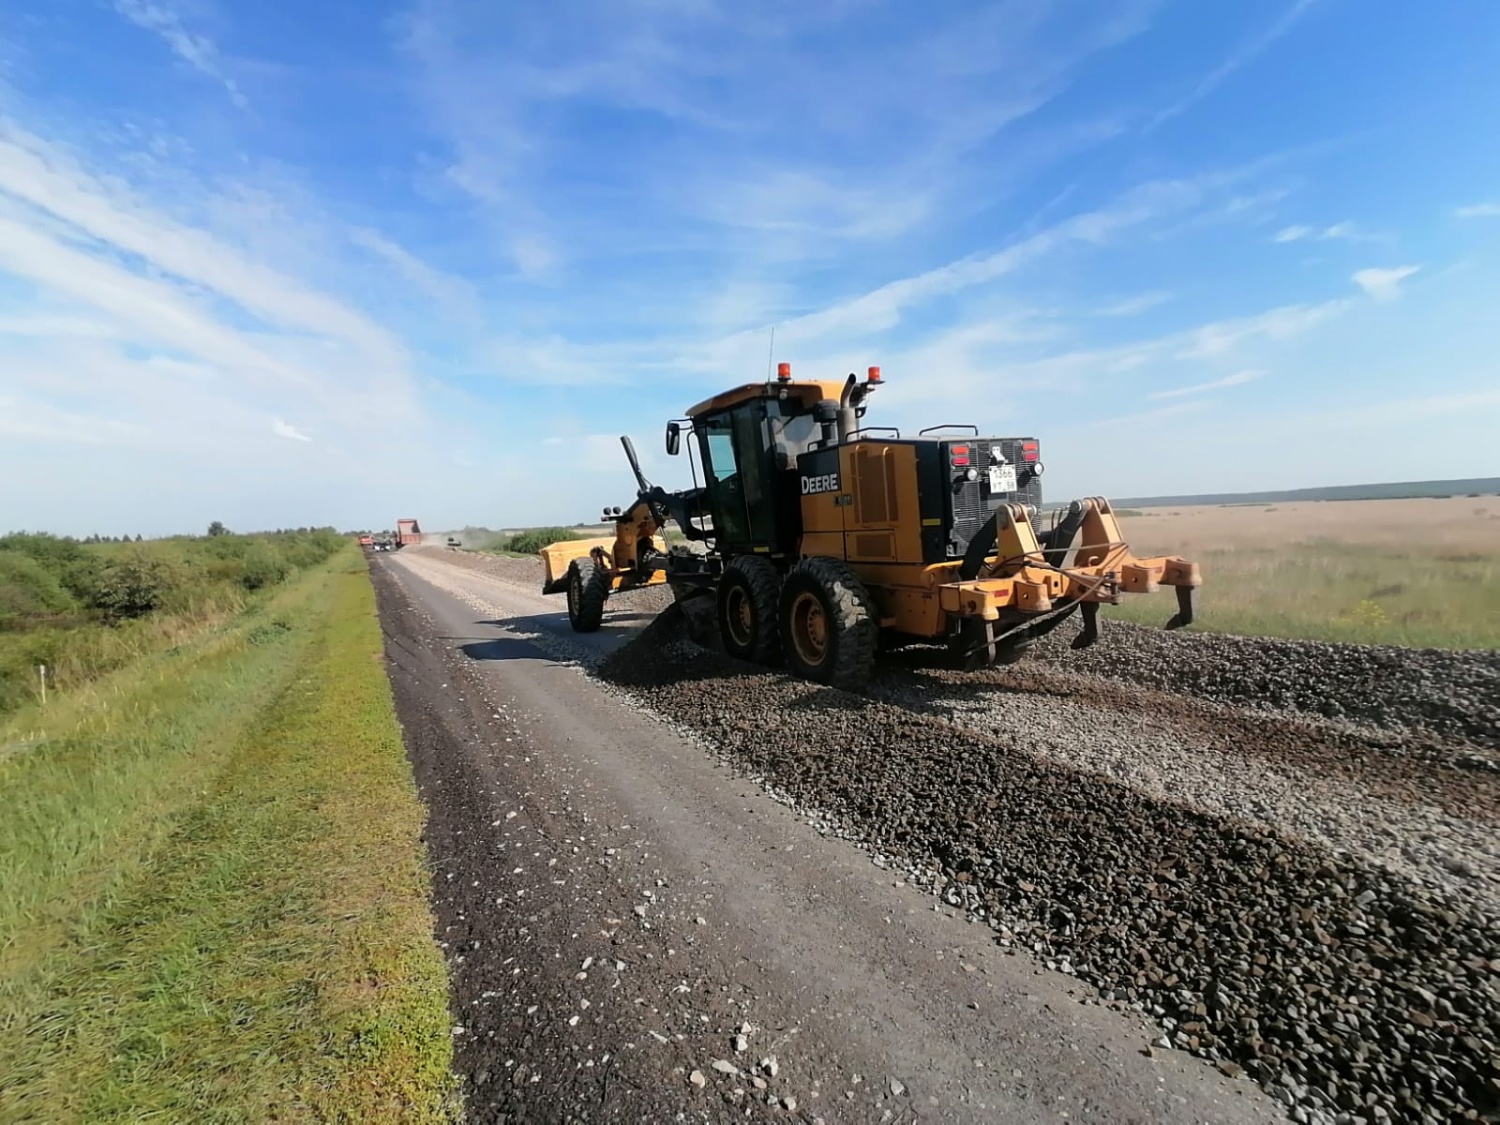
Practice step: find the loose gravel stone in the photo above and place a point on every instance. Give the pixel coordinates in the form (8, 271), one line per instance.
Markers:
(1252, 946)
(1452, 693)
(1245, 929)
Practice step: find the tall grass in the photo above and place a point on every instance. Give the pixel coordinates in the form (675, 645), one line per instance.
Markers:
(1335, 591)
(215, 901)
(85, 609)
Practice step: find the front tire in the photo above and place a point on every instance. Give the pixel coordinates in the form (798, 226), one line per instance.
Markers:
(829, 628)
(747, 609)
(588, 589)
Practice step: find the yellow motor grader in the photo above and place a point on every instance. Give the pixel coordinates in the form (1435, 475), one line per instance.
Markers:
(823, 541)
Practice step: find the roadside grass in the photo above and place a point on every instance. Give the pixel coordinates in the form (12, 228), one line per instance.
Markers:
(1327, 590)
(215, 903)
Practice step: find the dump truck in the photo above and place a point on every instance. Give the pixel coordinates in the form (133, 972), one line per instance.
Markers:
(824, 541)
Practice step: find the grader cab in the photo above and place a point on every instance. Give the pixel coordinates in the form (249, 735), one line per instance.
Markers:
(823, 540)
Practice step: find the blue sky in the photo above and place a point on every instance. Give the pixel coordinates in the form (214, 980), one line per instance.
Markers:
(339, 262)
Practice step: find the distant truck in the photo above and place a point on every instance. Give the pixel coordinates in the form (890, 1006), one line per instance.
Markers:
(407, 532)
(367, 541)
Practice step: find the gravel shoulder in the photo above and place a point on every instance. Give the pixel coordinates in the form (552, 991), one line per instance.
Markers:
(618, 907)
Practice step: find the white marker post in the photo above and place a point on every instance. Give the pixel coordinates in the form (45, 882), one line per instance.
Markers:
(41, 672)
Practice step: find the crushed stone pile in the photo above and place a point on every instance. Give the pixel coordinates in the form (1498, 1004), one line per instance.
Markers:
(1450, 693)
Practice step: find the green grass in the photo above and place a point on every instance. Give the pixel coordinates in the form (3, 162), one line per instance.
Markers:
(1330, 591)
(215, 903)
(85, 609)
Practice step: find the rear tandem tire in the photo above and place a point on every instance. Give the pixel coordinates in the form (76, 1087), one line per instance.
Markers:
(829, 629)
(588, 589)
(747, 600)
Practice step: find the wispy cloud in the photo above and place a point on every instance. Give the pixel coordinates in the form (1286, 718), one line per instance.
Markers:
(1144, 417)
(198, 51)
(75, 203)
(285, 429)
(142, 336)
(1346, 230)
(882, 308)
(671, 98)
(1133, 306)
(1242, 56)
(1239, 378)
(453, 295)
(1280, 323)
(1383, 284)
(1478, 211)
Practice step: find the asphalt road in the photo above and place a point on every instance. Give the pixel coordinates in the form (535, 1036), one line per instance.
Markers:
(618, 909)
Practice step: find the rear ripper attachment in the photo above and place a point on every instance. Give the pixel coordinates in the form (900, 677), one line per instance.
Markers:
(825, 540)
(1014, 586)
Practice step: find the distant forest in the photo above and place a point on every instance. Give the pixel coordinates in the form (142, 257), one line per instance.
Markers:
(1400, 490)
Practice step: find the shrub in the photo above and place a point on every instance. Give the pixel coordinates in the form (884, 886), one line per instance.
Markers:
(29, 590)
(263, 566)
(135, 583)
(53, 551)
(532, 541)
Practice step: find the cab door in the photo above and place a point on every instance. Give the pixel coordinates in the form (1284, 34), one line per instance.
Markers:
(737, 465)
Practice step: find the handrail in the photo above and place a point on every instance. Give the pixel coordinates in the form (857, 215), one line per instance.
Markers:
(951, 426)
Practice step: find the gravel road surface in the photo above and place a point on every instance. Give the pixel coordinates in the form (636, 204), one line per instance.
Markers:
(637, 933)
(1294, 880)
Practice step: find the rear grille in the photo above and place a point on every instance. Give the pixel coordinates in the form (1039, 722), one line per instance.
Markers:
(973, 502)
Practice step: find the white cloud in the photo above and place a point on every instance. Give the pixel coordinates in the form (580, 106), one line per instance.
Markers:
(198, 51)
(1383, 284)
(821, 156)
(1239, 378)
(1478, 211)
(1132, 306)
(47, 178)
(1276, 324)
(882, 308)
(453, 295)
(1242, 56)
(142, 354)
(1346, 230)
(287, 430)
(152, 309)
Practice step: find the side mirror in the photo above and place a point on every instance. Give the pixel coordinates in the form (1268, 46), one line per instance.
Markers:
(674, 439)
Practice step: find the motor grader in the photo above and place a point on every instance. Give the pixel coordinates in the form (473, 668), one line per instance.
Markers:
(823, 541)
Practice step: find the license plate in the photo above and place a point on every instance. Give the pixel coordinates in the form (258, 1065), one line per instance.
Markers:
(1002, 478)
